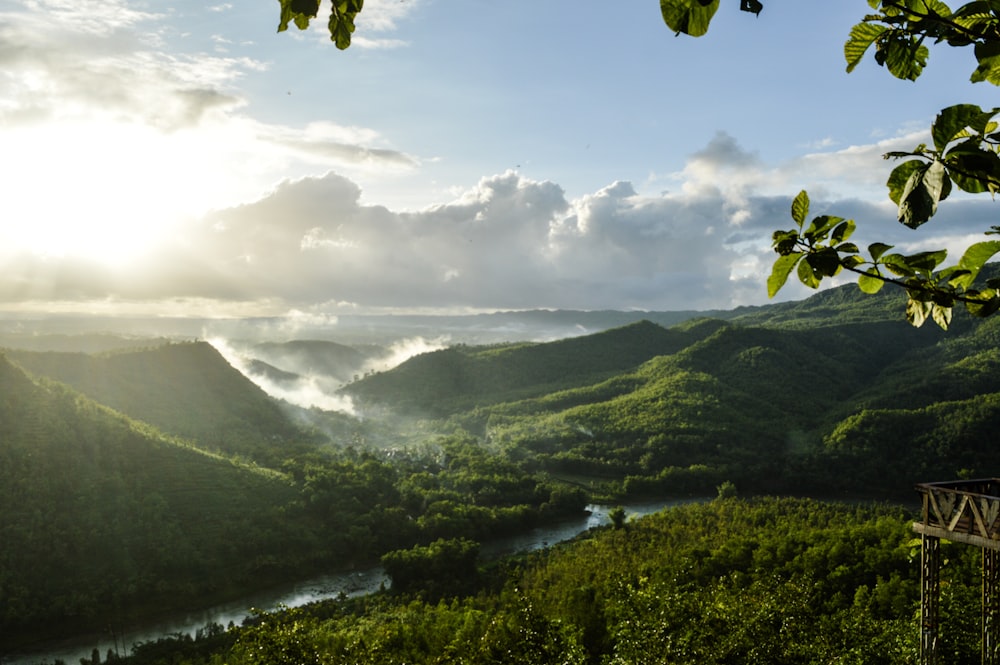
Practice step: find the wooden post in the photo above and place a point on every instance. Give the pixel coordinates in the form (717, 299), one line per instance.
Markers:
(991, 607)
(930, 593)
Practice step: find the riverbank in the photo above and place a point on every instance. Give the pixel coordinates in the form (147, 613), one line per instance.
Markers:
(314, 588)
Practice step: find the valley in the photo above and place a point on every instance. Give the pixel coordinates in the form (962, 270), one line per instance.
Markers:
(164, 473)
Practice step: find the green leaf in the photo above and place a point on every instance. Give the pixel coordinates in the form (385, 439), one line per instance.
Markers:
(341, 22)
(298, 12)
(800, 208)
(851, 260)
(785, 242)
(877, 249)
(862, 36)
(691, 17)
(926, 262)
(807, 276)
(844, 231)
(824, 263)
(898, 265)
(987, 303)
(951, 122)
(900, 176)
(871, 282)
(917, 312)
(820, 227)
(921, 194)
(941, 315)
(903, 54)
(973, 260)
(988, 55)
(286, 15)
(779, 272)
(973, 169)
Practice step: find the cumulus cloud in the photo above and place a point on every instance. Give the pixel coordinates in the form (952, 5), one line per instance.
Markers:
(311, 244)
(115, 128)
(95, 60)
(506, 242)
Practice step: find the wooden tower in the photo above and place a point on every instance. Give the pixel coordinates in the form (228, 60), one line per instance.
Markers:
(963, 511)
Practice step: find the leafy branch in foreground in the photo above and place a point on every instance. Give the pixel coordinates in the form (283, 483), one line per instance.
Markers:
(341, 23)
(964, 155)
(820, 249)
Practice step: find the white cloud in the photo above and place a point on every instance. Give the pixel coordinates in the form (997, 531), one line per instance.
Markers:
(111, 140)
(507, 242)
(118, 135)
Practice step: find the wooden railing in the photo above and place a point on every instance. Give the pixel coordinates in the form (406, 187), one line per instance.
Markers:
(965, 511)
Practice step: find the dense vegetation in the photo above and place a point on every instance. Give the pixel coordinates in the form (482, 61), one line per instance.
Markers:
(157, 478)
(106, 518)
(182, 389)
(730, 581)
(795, 401)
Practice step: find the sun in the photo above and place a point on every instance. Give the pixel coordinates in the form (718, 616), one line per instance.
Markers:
(101, 191)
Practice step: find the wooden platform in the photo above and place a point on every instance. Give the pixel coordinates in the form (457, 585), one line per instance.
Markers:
(965, 511)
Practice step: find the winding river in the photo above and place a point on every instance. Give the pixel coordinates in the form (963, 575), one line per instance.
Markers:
(322, 587)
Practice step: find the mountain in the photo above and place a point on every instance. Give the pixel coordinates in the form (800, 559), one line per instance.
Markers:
(797, 397)
(461, 377)
(185, 389)
(103, 515)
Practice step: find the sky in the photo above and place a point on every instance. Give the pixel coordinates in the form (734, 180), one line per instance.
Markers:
(186, 159)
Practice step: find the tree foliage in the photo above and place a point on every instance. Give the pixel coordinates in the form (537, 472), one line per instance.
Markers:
(963, 155)
(341, 23)
(764, 581)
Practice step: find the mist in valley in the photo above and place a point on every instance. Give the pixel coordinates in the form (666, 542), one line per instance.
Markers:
(309, 374)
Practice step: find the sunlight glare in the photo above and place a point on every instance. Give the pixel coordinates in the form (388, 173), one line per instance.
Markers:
(104, 191)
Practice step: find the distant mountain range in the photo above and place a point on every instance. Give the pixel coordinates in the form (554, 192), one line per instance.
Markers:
(782, 398)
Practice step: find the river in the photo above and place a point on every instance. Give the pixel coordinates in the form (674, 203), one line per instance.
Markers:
(321, 587)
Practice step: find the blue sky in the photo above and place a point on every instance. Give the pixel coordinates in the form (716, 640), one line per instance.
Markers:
(184, 158)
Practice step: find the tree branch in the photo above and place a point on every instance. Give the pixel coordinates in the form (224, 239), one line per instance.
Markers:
(938, 18)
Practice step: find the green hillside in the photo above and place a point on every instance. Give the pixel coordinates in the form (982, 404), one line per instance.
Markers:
(106, 520)
(185, 389)
(103, 515)
(834, 396)
(764, 405)
(458, 378)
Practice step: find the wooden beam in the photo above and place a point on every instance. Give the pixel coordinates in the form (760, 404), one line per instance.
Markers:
(956, 536)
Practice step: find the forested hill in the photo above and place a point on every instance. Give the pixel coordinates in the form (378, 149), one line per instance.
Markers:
(462, 377)
(102, 513)
(822, 403)
(186, 389)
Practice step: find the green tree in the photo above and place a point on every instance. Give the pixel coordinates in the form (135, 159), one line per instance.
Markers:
(444, 566)
(617, 516)
(965, 152)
